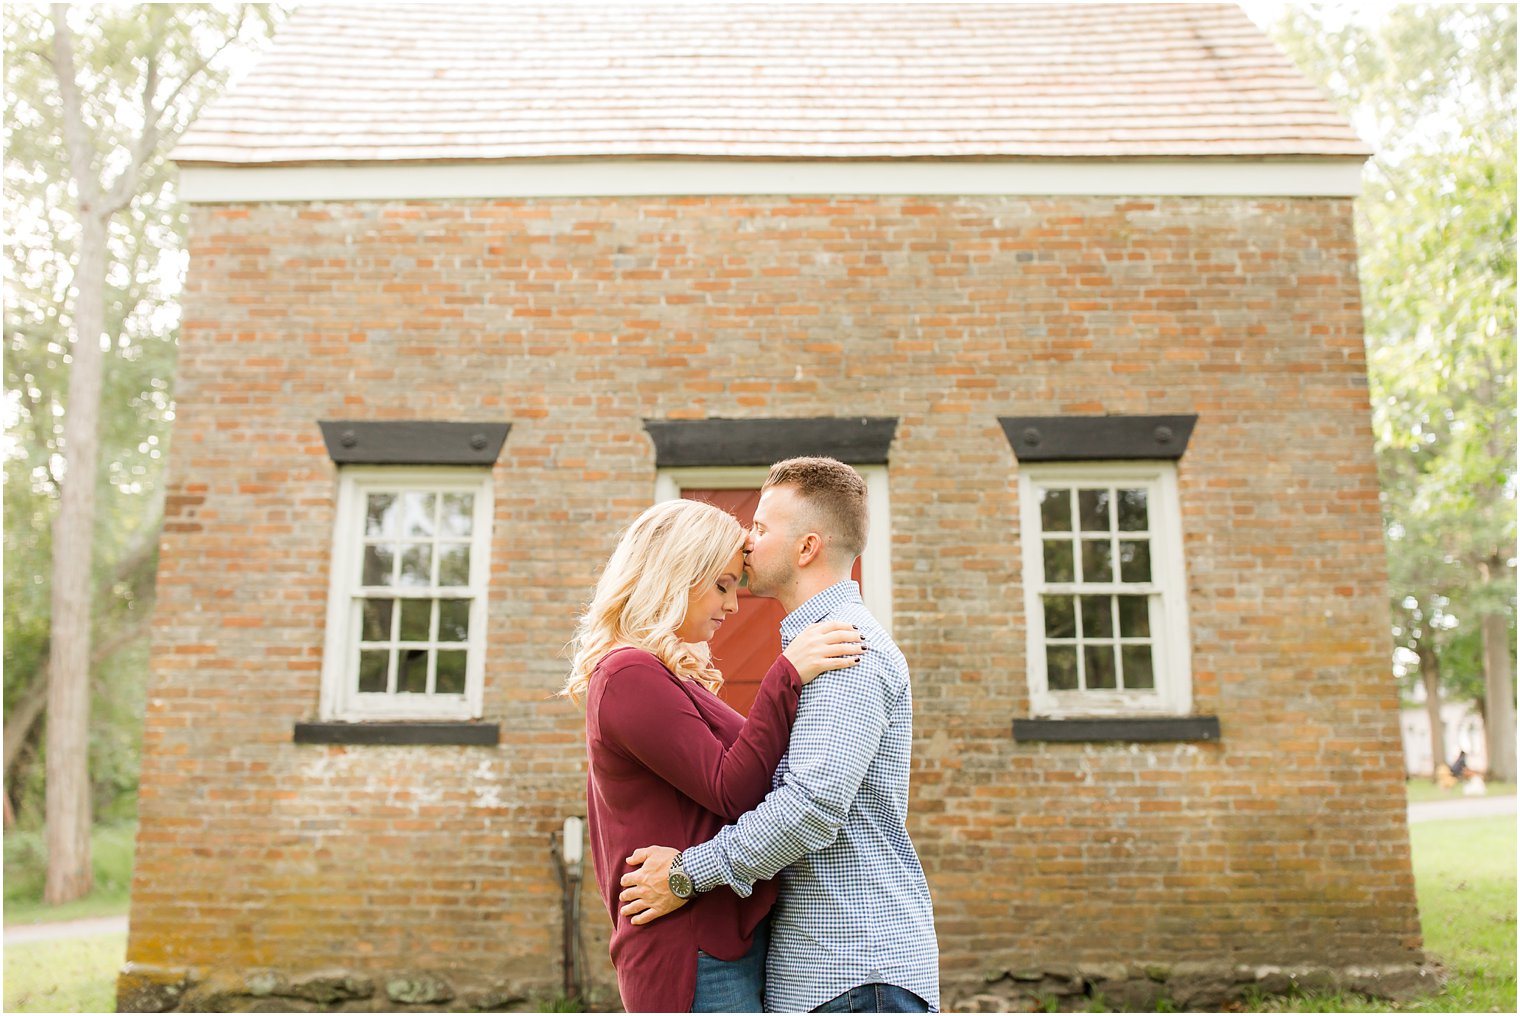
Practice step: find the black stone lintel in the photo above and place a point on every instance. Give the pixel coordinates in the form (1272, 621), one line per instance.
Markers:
(413, 442)
(1088, 438)
(858, 440)
(420, 732)
(1127, 728)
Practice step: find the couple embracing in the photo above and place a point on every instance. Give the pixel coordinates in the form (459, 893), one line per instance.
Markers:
(773, 862)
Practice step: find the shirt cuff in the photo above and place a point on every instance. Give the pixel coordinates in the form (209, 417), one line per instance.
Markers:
(704, 866)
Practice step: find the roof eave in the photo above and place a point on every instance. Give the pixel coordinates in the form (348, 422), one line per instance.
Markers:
(1275, 176)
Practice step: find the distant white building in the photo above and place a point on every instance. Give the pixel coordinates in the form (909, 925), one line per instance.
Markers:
(1462, 730)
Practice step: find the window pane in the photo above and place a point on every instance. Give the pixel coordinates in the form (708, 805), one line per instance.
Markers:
(377, 621)
(1061, 667)
(411, 674)
(1055, 510)
(372, 670)
(1058, 563)
(457, 515)
(453, 621)
(450, 679)
(417, 565)
(453, 564)
(1132, 510)
(1134, 617)
(1137, 667)
(1060, 617)
(1092, 509)
(416, 619)
(1097, 617)
(1135, 560)
(1097, 561)
(377, 565)
(1100, 667)
(417, 513)
(380, 515)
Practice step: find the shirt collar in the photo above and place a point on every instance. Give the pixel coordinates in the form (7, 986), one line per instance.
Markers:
(819, 606)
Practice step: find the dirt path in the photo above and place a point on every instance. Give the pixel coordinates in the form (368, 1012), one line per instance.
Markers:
(1465, 807)
(85, 927)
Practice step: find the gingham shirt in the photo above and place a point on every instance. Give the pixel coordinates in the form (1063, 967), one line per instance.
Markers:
(854, 907)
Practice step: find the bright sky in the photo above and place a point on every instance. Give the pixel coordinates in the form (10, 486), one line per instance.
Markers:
(1264, 12)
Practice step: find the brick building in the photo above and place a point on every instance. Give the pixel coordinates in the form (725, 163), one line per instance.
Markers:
(1075, 288)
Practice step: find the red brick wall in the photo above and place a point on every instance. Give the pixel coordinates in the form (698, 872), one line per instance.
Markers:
(1283, 843)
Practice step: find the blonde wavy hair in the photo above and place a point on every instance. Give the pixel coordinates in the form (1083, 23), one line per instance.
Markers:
(644, 591)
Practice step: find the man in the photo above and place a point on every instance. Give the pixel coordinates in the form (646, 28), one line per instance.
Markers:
(853, 929)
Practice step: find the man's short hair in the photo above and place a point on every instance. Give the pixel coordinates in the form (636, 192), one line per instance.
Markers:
(835, 492)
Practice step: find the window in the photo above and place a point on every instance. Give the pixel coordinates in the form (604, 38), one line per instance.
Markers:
(1104, 589)
(407, 602)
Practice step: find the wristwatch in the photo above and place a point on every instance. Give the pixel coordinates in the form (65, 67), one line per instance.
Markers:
(680, 882)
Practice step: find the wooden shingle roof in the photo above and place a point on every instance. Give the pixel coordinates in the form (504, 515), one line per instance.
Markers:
(430, 83)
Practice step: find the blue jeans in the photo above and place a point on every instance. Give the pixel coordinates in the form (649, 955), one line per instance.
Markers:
(876, 998)
(737, 986)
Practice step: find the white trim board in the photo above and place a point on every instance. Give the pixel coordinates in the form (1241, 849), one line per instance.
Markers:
(200, 184)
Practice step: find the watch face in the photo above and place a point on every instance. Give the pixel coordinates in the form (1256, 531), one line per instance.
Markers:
(681, 884)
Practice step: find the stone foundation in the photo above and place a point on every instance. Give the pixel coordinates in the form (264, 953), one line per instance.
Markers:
(1200, 986)
(142, 988)
(1119, 987)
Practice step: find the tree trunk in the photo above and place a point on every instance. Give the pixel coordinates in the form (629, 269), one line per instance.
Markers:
(19, 721)
(1498, 688)
(31, 707)
(68, 731)
(1499, 693)
(21, 717)
(68, 788)
(1430, 677)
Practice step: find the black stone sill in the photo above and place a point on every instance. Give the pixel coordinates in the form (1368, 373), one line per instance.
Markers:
(1127, 728)
(398, 733)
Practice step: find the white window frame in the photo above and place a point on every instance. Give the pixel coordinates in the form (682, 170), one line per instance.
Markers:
(341, 700)
(1172, 658)
(875, 563)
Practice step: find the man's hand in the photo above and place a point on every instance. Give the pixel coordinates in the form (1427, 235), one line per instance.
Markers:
(646, 895)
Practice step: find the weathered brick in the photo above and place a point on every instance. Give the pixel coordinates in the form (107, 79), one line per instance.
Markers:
(1283, 844)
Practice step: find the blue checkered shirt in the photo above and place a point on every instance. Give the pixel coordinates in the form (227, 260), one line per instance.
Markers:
(854, 907)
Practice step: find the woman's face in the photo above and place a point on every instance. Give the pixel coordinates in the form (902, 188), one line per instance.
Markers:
(708, 604)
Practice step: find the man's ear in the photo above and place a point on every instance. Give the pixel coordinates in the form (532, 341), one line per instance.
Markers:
(809, 549)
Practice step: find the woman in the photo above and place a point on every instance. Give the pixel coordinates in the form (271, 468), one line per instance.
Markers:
(669, 761)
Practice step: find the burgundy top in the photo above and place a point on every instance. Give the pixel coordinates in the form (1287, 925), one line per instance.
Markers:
(671, 764)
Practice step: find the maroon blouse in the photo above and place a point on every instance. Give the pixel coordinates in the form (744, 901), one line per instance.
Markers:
(671, 764)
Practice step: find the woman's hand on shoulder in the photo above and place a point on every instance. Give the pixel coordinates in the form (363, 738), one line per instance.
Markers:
(827, 645)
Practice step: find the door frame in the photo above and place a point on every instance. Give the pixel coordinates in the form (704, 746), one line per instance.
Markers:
(875, 563)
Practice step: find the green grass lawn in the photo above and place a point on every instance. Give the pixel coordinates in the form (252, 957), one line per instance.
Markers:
(1464, 875)
(1465, 878)
(64, 975)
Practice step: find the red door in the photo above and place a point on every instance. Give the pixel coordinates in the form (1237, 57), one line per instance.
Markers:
(749, 642)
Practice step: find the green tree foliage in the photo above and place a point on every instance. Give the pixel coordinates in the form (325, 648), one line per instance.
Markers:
(133, 63)
(1433, 89)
